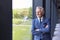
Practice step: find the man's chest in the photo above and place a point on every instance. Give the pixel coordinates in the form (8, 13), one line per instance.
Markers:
(40, 24)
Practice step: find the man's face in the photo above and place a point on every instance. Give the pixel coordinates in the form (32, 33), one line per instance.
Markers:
(39, 12)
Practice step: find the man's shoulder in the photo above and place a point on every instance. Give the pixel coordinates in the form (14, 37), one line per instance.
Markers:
(47, 18)
(34, 19)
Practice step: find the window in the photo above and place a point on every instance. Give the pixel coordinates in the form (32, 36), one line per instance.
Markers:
(22, 15)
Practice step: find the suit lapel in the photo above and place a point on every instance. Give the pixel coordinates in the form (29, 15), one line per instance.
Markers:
(37, 20)
(43, 19)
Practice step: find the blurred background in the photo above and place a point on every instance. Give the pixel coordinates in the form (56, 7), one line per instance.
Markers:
(22, 15)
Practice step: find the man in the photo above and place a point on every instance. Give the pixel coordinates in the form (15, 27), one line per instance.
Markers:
(41, 25)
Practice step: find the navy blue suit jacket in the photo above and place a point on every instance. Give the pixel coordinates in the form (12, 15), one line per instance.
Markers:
(43, 32)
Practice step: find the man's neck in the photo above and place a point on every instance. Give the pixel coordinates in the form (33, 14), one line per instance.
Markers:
(40, 17)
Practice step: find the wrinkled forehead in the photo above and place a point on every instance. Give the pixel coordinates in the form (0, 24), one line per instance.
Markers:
(38, 8)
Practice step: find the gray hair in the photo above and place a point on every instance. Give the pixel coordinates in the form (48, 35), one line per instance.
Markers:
(39, 7)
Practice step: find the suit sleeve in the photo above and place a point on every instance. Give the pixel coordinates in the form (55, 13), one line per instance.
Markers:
(46, 29)
(33, 28)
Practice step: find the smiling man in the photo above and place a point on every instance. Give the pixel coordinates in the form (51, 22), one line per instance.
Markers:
(41, 25)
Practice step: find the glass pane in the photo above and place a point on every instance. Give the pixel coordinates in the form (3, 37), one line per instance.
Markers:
(22, 16)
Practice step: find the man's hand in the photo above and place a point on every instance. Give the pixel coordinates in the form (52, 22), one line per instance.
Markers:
(37, 30)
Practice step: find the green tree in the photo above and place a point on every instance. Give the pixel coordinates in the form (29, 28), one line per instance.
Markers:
(30, 12)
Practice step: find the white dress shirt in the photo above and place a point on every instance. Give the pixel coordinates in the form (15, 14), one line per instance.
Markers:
(39, 19)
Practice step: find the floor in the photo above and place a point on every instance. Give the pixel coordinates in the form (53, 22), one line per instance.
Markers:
(57, 32)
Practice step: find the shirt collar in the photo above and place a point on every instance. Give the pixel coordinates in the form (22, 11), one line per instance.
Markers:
(39, 18)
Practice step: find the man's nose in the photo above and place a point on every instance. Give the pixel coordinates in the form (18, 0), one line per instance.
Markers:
(40, 13)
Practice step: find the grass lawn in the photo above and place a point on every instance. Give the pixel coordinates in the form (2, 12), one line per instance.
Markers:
(22, 32)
